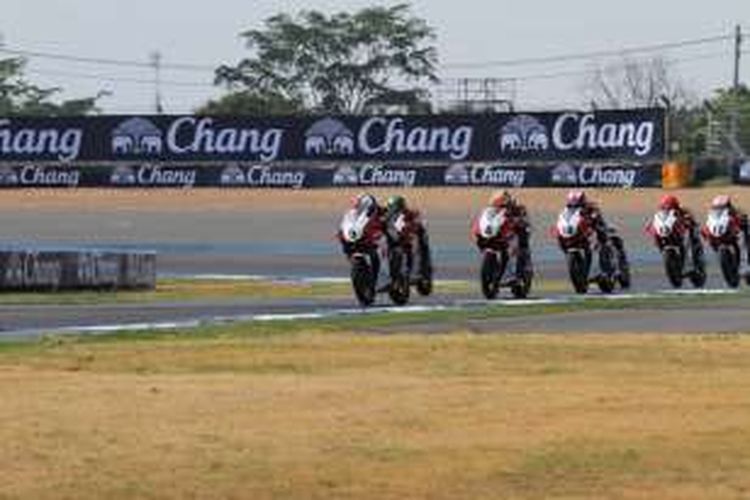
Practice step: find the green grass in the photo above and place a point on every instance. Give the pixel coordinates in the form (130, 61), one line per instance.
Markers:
(183, 290)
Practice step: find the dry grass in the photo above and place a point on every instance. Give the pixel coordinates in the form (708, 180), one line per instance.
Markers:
(317, 415)
(432, 200)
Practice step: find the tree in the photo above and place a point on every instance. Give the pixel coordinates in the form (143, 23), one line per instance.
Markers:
(636, 83)
(248, 102)
(19, 97)
(339, 63)
(729, 115)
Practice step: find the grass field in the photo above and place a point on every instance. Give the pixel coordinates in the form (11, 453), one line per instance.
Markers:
(304, 412)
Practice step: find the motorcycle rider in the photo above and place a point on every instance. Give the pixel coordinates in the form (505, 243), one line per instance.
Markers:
(738, 216)
(590, 213)
(396, 205)
(684, 217)
(514, 210)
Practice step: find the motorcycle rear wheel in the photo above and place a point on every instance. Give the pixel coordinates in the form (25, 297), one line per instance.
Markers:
(606, 279)
(524, 275)
(399, 286)
(673, 266)
(698, 276)
(425, 282)
(623, 266)
(729, 261)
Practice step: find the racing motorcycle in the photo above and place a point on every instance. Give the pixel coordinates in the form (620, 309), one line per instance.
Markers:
(574, 235)
(409, 260)
(723, 235)
(366, 248)
(682, 257)
(504, 263)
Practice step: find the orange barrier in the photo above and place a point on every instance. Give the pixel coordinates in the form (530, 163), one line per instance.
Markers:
(675, 175)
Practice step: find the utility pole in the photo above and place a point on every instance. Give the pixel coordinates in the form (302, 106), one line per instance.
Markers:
(156, 63)
(734, 118)
(737, 55)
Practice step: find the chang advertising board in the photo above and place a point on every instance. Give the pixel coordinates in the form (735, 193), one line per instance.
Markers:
(603, 175)
(635, 134)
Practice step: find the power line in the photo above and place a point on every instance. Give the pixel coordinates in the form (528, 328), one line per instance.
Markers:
(469, 65)
(590, 55)
(118, 79)
(564, 74)
(104, 61)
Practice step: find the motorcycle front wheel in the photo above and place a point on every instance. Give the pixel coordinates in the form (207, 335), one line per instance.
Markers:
(578, 271)
(490, 275)
(363, 282)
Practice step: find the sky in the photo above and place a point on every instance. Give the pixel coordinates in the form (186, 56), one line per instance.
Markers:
(206, 34)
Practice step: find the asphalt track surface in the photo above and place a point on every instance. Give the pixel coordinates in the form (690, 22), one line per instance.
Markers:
(302, 245)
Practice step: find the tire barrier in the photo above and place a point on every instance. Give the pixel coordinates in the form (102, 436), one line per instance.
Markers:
(22, 270)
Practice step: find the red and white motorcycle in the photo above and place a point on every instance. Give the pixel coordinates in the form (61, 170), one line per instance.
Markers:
(682, 257)
(363, 240)
(504, 262)
(722, 232)
(575, 237)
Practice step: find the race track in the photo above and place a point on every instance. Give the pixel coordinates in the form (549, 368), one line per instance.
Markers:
(300, 244)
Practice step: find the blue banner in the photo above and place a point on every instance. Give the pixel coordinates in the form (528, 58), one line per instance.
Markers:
(614, 135)
(292, 176)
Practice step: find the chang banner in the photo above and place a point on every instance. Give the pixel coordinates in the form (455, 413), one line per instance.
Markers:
(633, 134)
(364, 175)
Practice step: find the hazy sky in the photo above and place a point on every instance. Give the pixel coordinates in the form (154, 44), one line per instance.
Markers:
(206, 33)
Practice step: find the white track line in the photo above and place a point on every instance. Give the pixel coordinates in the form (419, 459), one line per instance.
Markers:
(338, 313)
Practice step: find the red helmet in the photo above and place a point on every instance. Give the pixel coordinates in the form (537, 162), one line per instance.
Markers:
(669, 202)
(501, 199)
(576, 199)
(721, 201)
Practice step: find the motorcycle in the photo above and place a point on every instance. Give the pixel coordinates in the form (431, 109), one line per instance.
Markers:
(366, 247)
(723, 235)
(574, 237)
(672, 239)
(504, 263)
(409, 260)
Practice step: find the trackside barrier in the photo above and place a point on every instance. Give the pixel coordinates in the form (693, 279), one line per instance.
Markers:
(22, 270)
(316, 175)
(741, 172)
(676, 175)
